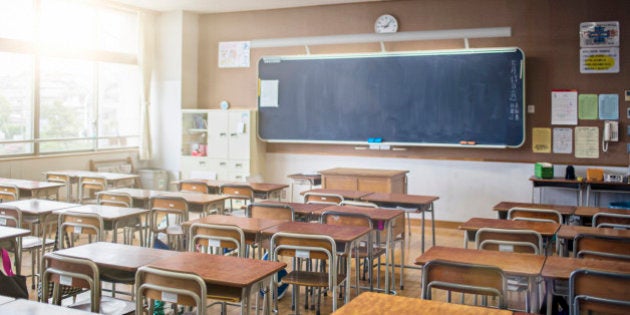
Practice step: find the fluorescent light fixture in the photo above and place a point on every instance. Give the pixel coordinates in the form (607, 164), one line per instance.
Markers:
(465, 33)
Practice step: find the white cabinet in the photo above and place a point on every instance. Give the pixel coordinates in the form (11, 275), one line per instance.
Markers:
(227, 149)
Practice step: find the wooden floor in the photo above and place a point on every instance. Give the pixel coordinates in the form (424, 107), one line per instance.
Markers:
(444, 236)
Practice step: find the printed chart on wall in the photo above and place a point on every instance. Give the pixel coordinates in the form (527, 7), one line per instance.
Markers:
(599, 42)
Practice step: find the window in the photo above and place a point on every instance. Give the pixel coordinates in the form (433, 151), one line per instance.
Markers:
(80, 91)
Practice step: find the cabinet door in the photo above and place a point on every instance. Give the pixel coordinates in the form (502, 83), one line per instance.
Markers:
(218, 134)
(239, 133)
(196, 167)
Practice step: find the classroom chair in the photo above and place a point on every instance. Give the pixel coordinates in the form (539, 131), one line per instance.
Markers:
(603, 247)
(270, 211)
(322, 198)
(169, 286)
(194, 186)
(221, 240)
(612, 220)
(81, 274)
(9, 192)
(90, 185)
(12, 217)
(62, 179)
(538, 215)
(237, 193)
(166, 214)
(509, 240)
(74, 226)
(131, 225)
(307, 246)
(487, 281)
(598, 292)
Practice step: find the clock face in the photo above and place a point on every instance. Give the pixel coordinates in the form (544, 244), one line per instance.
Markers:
(386, 23)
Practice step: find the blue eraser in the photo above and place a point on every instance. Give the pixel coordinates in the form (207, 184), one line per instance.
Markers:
(378, 140)
(370, 140)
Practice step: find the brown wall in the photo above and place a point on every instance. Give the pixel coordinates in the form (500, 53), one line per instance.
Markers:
(546, 30)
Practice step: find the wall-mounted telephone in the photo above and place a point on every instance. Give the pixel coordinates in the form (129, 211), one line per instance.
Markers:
(611, 133)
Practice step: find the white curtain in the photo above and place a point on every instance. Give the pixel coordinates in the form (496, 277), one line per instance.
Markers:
(146, 48)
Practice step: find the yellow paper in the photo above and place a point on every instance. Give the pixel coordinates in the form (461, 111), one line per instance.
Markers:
(587, 142)
(541, 140)
(587, 106)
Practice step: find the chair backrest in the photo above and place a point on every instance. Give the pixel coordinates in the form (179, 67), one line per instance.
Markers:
(612, 220)
(322, 198)
(204, 237)
(10, 216)
(74, 272)
(344, 218)
(9, 192)
(79, 223)
(535, 214)
(161, 206)
(354, 203)
(599, 292)
(115, 199)
(303, 246)
(193, 186)
(464, 278)
(91, 184)
(604, 247)
(508, 240)
(170, 286)
(270, 211)
(57, 178)
(238, 191)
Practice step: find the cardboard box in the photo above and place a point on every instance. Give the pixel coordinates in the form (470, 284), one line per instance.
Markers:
(595, 174)
(543, 170)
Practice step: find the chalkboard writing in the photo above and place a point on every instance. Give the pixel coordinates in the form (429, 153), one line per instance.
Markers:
(453, 98)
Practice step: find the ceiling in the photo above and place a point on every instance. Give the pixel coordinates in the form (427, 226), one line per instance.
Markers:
(217, 6)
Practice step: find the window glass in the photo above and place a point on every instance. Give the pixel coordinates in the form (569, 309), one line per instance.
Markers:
(16, 19)
(16, 104)
(118, 121)
(118, 31)
(67, 25)
(67, 119)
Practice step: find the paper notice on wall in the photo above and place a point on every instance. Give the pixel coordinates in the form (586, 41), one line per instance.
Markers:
(599, 34)
(541, 140)
(562, 140)
(609, 106)
(587, 106)
(234, 54)
(564, 107)
(587, 142)
(599, 60)
(269, 93)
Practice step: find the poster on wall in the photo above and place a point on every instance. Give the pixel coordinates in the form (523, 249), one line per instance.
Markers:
(599, 34)
(564, 107)
(599, 60)
(234, 54)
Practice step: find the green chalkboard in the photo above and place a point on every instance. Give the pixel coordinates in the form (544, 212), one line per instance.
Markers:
(437, 98)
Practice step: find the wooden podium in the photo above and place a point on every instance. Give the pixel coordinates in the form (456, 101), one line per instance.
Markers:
(372, 180)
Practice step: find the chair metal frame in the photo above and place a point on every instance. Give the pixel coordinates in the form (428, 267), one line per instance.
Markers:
(166, 206)
(306, 246)
(585, 287)
(177, 295)
(464, 278)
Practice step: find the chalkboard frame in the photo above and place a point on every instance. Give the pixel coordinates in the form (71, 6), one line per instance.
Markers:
(516, 129)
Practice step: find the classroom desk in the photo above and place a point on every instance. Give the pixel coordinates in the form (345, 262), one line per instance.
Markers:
(597, 187)
(22, 306)
(261, 190)
(205, 201)
(503, 207)
(585, 212)
(114, 179)
(222, 273)
(370, 303)
(346, 194)
(557, 183)
(118, 257)
(346, 235)
(12, 234)
(311, 179)
(546, 229)
(569, 232)
(560, 268)
(382, 219)
(517, 264)
(252, 227)
(115, 215)
(302, 211)
(410, 203)
(33, 189)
